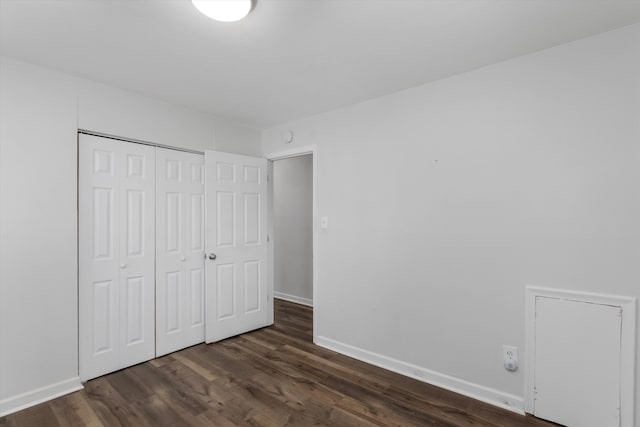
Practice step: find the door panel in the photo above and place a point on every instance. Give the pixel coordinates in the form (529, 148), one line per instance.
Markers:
(116, 258)
(137, 254)
(103, 317)
(252, 286)
(173, 302)
(577, 362)
(196, 236)
(179, 250)
(135, 223)
(135, 310)
(98, 293)
(173, 229)
(251, 219)
(225, 219)
(103, 223)
(226, 278)
(236, 232)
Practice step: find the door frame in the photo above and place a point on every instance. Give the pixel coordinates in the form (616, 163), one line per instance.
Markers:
(286, 154)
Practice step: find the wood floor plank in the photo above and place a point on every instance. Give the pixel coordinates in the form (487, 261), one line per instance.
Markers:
(8, 421)
(128, 387)
(73, 410)
(157, 412)
(38, 415)
(274, 376)
(109, 406)
(196, 367)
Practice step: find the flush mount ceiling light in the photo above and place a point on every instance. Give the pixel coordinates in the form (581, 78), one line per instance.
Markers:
(224, 10)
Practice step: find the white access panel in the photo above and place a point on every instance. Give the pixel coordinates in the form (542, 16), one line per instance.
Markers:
(577, 362)
(180, 248)
(236, 240)
(116, 197)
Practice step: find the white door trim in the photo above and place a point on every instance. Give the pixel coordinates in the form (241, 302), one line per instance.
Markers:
(627, 347)
(285, 154)
(137, 141)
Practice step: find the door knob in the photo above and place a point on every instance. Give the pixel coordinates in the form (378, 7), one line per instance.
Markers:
(123, 265)
(183, 259)
(212, 256)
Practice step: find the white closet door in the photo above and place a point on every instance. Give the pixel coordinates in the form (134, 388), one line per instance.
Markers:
(137, 254)
(99, 271)
(236, 236)
(179, 250)
(116, 254)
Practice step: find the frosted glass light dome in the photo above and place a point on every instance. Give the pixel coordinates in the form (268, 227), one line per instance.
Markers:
(224, 10)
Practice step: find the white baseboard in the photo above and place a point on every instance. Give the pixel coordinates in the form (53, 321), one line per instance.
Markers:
(43, 394)
(475, 391)
(293, 298)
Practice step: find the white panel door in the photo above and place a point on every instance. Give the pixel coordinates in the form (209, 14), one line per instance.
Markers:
(577, 362)
(137, 254)
(116, 186)
(99, 257)
(179, 250)
(236, 239)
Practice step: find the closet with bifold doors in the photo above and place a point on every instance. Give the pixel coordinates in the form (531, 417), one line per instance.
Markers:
(141, 252)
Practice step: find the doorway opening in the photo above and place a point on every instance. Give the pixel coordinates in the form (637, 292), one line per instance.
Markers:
(292, 230)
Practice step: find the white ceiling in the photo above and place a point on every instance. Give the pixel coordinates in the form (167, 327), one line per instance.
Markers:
(290, 58)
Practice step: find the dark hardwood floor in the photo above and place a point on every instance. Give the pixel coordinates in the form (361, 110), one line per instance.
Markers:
(271, 377)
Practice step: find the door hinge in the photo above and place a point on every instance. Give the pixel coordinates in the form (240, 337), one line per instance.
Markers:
(267, 238)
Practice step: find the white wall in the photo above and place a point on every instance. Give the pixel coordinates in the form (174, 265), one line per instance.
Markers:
(446, 200)
(234, 138)
(40, 112)
(38, 251)
(114, 111)
(293, 228)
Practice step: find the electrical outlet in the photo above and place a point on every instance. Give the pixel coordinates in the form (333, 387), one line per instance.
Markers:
(510, 357)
